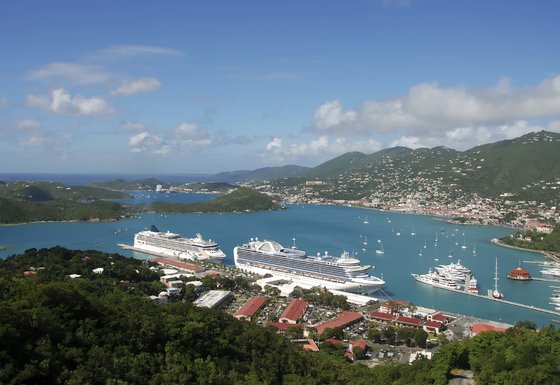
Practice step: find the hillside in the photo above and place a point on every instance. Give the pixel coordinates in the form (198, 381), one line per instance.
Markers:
(259, 175)
(527, 167)
(124, 185)
(102, 329)
(241, 200)
(46, 191)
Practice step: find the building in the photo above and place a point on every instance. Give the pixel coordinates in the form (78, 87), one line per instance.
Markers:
(247, 311)
(282, 327)
(520, 274)
(294, 311)
(213, 299)
(439, 317)
(432, 327)
(408, 321)
(341, 321)
(381, 317)
(191, 268)
(480, 328)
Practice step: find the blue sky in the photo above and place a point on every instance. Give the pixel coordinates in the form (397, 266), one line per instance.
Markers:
(199, 87)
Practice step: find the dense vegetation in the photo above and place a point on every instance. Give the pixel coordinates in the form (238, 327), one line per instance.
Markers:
(101, 329)
(259, 175)
(124, 185)
(536, 241)
(242, 199)
(528, 167)
(35, 202)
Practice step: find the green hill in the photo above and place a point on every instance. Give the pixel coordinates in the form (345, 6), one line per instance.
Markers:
(124, 185)
(528, 167)
(46, 191)
(259, 175)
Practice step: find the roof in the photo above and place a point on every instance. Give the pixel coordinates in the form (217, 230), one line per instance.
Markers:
(282, 326)
(358, 344)
(519, 271)
(212, 298)
(479, 328)
(433, 324)
(250, 307)
(440, 317)
(341, 321)
(311, 346)
(179, 264)
(334, 341)
(381, 315)
(408, 320)
(294, 310)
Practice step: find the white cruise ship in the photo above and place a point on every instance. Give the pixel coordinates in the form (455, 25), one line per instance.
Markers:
(173, 245)
(269, 257)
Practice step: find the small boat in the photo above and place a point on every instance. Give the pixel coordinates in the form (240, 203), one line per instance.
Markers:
(474, 250)
(366, 221)
(380, 249)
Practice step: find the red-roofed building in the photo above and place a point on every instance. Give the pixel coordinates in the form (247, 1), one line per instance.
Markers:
(432, 327)
(382, 317)
(334, 341)
(341, 321)
(181, 265)
(480, 328)
(247, 311)
(294, 311)
(392, 306)
(408, 321)
(439, 317)
(362, 344)
(311, 346)
(282, 327)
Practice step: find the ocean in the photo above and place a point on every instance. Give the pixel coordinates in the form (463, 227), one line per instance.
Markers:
(332, 229)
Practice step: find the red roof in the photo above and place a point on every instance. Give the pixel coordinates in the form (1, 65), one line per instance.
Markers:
(311, 346)
(408, 320)
(358, 344)
(283, 326)
(181, 265)
(381, 316)
(519, 272)
(439, 317)
(250, 307)
(340, 321)
(294, 310)
(433, 324)
(334, 341)
(479, 328)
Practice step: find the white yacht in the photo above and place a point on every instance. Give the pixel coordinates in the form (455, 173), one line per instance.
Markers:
(432, 278)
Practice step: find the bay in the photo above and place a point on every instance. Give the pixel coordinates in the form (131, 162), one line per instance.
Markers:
(334, 229)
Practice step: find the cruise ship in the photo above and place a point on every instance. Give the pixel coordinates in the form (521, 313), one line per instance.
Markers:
(435, 279)
(269, 257)
(173, 245)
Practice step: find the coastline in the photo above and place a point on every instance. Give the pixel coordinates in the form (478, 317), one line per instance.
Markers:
(546, 254)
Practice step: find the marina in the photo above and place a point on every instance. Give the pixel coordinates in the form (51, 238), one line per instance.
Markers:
(334, 229)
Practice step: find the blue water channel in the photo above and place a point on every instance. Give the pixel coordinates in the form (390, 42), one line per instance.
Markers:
(334, 229)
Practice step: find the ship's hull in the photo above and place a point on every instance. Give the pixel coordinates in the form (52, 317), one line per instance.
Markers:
(355, 285)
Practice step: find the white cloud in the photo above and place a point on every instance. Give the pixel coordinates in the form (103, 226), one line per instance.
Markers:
(70, 74)
(46, 139)
(145, 141)
(28, 124)
(322, 148)
(118, 52)
(61, 102)
(191, 135)
(428, 108)
(137, 86)
(132, 126)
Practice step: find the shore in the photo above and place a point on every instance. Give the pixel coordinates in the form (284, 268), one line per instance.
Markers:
(547, 254)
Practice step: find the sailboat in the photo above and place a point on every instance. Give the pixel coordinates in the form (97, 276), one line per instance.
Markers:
(435, 244)
(496, 293)
(366, 221)
(425, 244)
(365, 240)
(413, 233)
(474, 250)
(464, 245)
(379, 249)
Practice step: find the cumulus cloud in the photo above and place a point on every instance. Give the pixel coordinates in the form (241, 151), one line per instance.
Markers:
(62, 103)
(428, 108)
(137, 86)
(322, 148)
(186, 137)
(70, 74)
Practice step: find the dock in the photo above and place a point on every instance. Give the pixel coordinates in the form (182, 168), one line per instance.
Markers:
(546, 280)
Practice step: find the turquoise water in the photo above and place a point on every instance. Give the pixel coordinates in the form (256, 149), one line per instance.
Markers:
(333, 229)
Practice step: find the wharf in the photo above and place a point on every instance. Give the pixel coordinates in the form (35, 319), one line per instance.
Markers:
(546, 280)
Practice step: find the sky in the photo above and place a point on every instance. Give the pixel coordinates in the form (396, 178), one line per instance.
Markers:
(207, 86)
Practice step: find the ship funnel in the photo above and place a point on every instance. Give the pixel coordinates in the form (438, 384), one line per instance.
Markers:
(154, 229)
